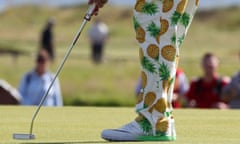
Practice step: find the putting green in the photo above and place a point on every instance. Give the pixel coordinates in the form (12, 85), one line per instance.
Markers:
(84, 124)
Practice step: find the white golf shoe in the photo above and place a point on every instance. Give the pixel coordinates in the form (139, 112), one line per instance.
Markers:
(134, 132)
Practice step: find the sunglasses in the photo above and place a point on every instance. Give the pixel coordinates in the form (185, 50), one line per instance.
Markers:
(41, 59)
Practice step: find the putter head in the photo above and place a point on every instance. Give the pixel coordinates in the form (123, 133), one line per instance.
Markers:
(23, 136)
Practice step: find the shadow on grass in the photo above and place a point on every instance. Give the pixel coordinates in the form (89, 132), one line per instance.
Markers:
(77, 142)
(104, 103)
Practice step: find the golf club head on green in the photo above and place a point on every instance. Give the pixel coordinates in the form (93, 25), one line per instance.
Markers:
(23, 136)
(86, 18)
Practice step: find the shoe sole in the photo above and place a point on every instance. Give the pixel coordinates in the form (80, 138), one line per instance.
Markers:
(144, 138)
(156, 138)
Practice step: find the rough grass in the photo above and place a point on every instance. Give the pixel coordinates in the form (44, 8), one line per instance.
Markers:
(113, 82)
(84, 124)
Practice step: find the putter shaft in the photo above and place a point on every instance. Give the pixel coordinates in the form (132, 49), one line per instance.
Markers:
(86, 18)
(56, 75)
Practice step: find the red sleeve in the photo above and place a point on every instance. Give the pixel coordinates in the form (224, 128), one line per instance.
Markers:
(224, 83)
(191, 92)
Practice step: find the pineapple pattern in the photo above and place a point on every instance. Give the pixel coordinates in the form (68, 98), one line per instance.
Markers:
(154, 31)
(149, 99)
(161, 105)
(164, 26)
(168, 52)
(153, 51)
(139, 5)
(140, 33)
(167, 5)
(162, 125)
(144, 79)
(161, 26)
(164, 74)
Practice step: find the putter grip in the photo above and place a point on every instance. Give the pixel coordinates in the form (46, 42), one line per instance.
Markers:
(90, 12)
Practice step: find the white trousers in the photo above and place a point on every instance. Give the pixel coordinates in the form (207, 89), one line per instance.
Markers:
(161, 26)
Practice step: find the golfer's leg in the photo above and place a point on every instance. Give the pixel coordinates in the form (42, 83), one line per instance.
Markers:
(184, 24)
(156, 23)
(186, 19)
(159, 56)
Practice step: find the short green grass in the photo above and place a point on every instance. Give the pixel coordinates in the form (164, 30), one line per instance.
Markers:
(84, 124)
(113, 82)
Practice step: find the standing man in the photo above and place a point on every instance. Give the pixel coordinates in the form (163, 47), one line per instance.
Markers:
(161, 26)
(47, 38)
(98, 34)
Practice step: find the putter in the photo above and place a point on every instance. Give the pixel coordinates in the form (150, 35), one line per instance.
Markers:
(30, 135)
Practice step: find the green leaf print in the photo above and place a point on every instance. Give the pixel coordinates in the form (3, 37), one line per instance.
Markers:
(185, 19)
(148, 65)
(173, 39)
(180, 39)
(150, 8)
(175, 18)
(153, 29)
(164, 71)
(135, 23)
(145, 125)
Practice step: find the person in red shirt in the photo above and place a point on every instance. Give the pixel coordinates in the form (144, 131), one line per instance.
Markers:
(181, 86)
(205, 91)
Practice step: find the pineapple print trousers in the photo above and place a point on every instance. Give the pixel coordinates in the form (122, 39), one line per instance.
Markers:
(161, 26)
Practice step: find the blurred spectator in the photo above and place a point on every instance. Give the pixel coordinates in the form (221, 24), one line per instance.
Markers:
(47, 38)
(98, 34)
(138, 87)
(231, 93)
(205, 91)
(35, 83)
(181, 86)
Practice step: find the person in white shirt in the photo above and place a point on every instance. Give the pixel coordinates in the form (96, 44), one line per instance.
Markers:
(35, 83)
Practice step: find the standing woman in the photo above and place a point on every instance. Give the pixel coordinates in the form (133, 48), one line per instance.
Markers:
(161, 26)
